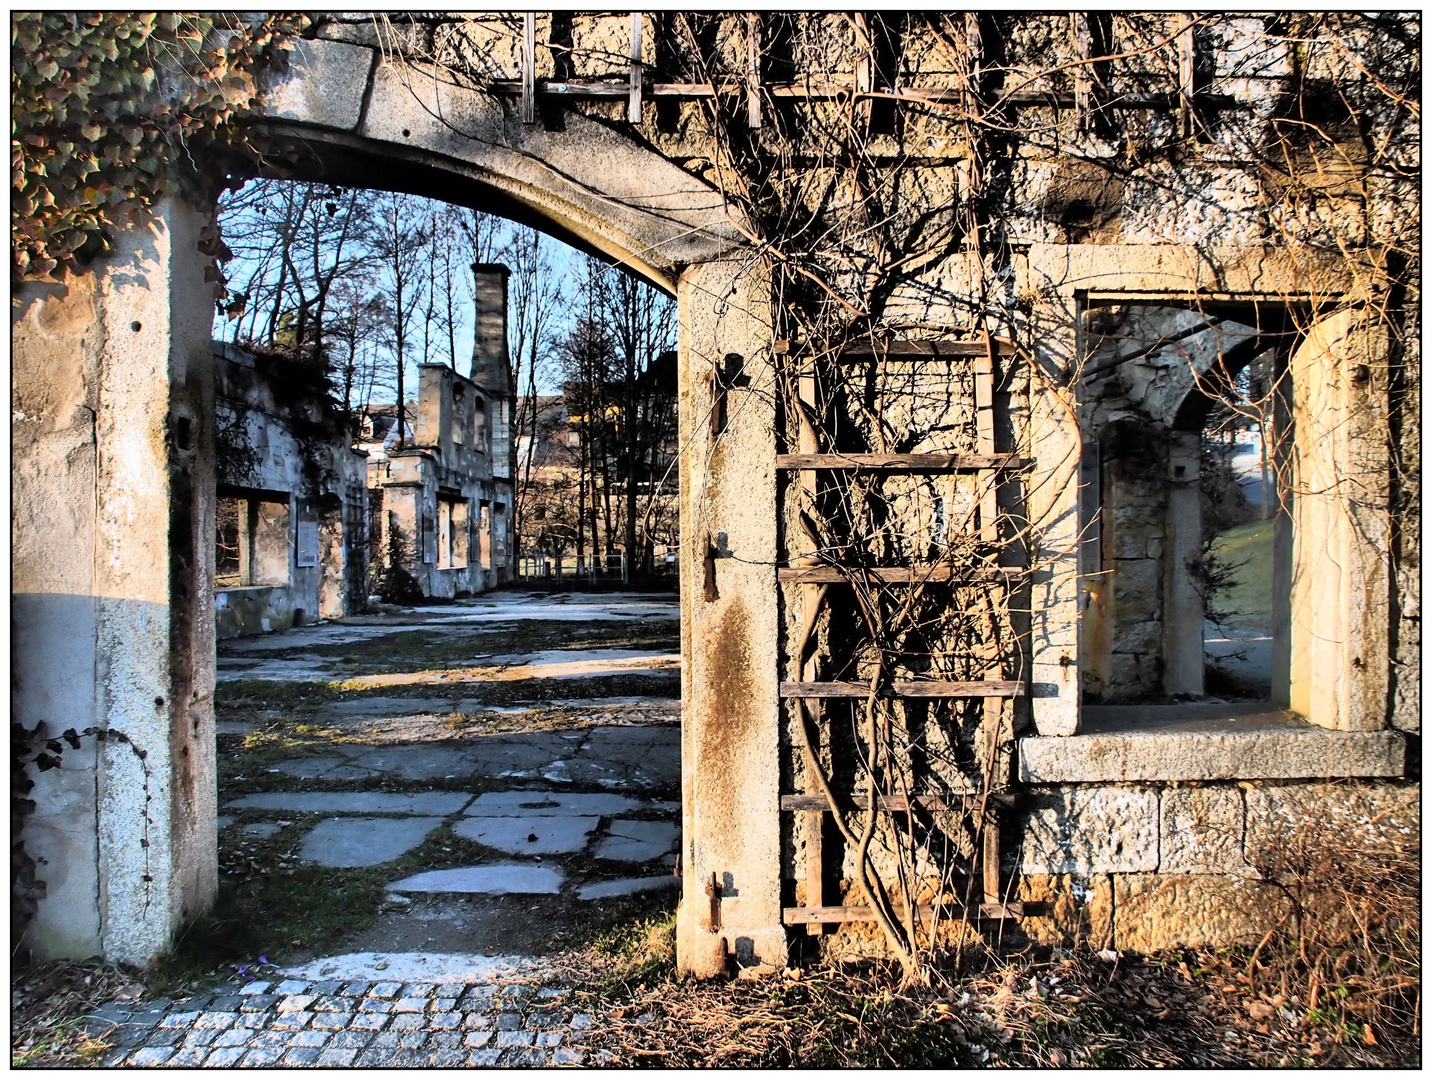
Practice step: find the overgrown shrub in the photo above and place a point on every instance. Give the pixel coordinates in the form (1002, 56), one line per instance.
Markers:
(1347, 944)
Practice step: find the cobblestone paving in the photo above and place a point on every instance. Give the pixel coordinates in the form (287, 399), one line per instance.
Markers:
(358, 1024)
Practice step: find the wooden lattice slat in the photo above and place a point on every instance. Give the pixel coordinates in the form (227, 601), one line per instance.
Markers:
(900, 688)
(903, 462)
(795, 916)
(894, 575)
(897, 803)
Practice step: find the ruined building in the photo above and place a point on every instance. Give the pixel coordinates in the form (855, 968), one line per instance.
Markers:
(291, 516)
(953, 292)
(440, 489)
(575, 458)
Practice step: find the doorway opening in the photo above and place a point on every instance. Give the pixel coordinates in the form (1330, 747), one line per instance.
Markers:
(449, 757)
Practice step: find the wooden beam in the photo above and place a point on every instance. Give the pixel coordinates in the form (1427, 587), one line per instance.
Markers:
(903, 462)
(894, 575)
(839, 91)
(634, 88)
(864, 352)
(1083, 77)
(924, 688)
(896, 803)
(811, 599)
(529, 67)
(864, 67)
(753, 71)
(796, 916)
(984, 436)
(990, 838)
(1187, 58)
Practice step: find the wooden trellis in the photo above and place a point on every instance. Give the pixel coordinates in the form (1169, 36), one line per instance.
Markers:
(861, 87)
(994, 689)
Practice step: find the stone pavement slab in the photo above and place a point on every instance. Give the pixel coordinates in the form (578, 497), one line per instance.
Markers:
(325, 768)
(365, 841)
(637, 841)
(495, 880)
(626, 886)
(529, 836)
(438, 803)
(550, 803)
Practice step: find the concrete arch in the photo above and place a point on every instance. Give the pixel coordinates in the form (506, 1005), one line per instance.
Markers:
(363, 119)
(1157, 355)
(351, 111)
(130, 840)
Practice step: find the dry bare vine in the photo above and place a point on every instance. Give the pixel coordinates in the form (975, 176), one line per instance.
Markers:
(899, 207)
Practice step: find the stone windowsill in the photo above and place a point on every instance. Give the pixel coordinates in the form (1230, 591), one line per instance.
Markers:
(1206, 742)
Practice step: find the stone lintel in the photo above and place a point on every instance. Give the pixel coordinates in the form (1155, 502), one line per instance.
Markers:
(325, 84)
(1248, 748)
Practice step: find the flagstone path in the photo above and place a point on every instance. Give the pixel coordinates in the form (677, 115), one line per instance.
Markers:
(452, 971)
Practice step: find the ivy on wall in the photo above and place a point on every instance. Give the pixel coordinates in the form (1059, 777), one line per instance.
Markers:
(106, 111)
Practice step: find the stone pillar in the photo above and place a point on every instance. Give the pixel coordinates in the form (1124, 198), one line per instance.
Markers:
(1341, 565)
(1056, 447)
(114, 623)
(1183, 547)
(730, 735)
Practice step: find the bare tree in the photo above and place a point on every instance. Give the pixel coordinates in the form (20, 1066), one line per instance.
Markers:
(641, 324)
(399, 241)
(534, 292)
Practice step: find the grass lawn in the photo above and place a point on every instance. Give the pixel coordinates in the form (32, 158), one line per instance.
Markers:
(1249, 549)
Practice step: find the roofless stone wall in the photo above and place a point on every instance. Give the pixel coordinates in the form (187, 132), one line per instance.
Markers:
(885, 235)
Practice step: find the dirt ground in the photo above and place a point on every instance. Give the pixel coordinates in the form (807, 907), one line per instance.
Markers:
(531, 741)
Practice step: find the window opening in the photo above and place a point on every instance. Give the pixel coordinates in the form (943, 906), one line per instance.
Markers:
(484, 534)
(452, 533)
(252, 540)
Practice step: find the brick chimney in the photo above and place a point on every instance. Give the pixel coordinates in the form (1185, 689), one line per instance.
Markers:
(490, 368)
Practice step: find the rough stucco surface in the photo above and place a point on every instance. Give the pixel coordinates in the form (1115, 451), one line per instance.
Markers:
(730, 768)
(125, 844)
(52, 609)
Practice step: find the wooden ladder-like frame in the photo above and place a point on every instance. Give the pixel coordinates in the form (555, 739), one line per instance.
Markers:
(994, 689)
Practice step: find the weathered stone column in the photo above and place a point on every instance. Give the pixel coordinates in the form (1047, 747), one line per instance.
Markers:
(113, 538)
(1183, 547)
(1056, 446)
(730, 737)
(1341, 565)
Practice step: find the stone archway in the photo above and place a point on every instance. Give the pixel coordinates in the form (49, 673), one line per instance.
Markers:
(355, 114)
(142, 484)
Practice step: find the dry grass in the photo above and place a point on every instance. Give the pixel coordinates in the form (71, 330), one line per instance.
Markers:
(1038, 1010)
(49, 1004)
(1346, 953)
(1334, 981)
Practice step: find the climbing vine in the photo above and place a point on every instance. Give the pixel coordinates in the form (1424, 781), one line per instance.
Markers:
(36, 748)
(107, 109)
